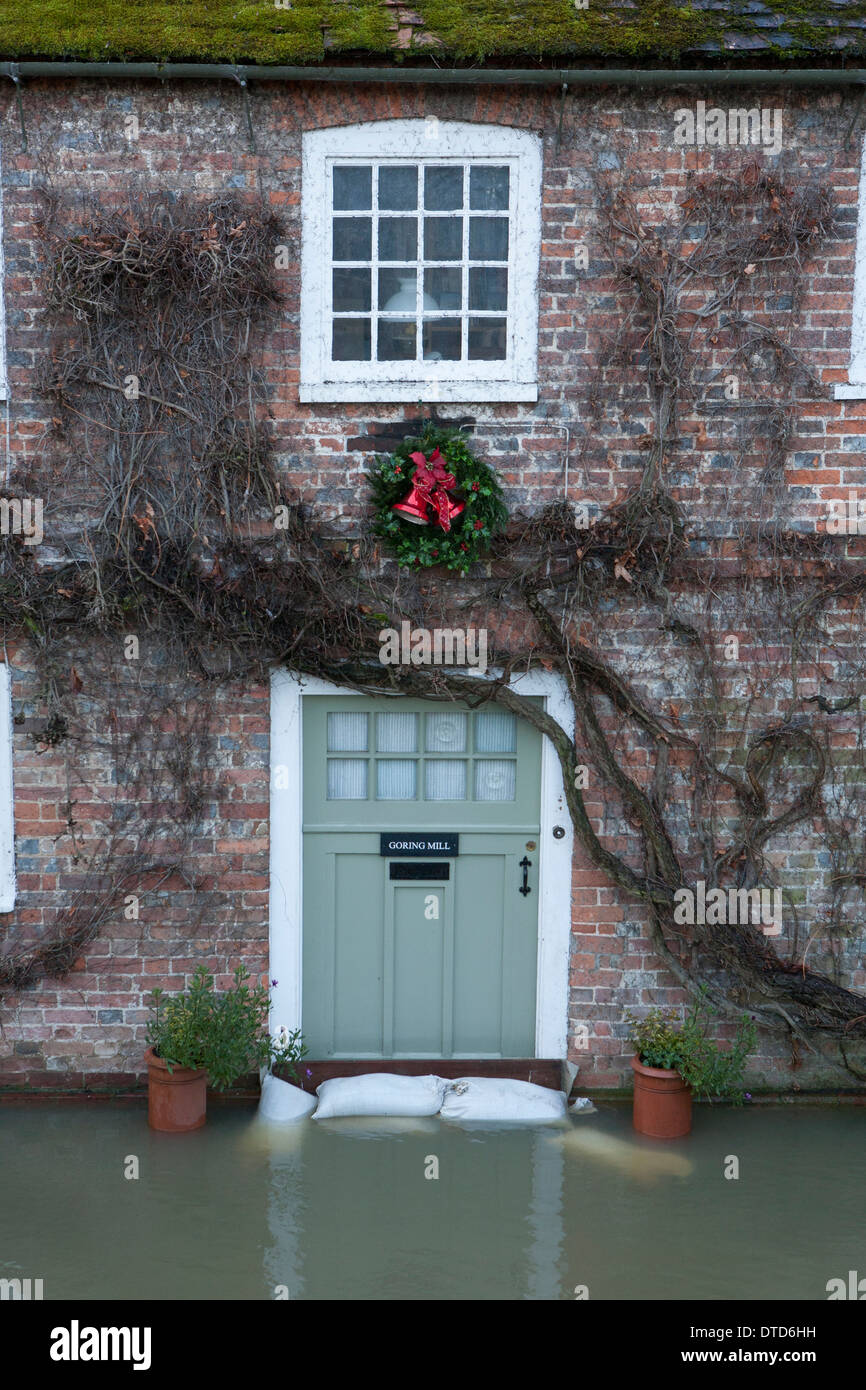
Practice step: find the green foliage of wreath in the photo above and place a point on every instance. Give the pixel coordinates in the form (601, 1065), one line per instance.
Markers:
(477, 486)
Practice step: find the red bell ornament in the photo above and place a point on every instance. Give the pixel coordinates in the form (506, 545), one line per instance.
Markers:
(413, 507)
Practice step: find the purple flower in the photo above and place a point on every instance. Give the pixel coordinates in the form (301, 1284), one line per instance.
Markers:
(309, 1073)
(274, 984)
(748, 1095)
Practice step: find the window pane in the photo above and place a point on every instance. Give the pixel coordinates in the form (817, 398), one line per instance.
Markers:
(351, 340)
(347, 779)
(395, 779)
(443, 288)
(397, 733)
(347, 733)
(487, 340)
(445, 780)
(488, 188)
(353, 238)
(495, 780)
(352, 290)
(353, 186)
(397, 291)
(443, 238)
(442, 340)
(495, 732)
(488, 238)
(398, 239)
(398, 341)
(398, 187)
(446, 732)
(443, 187)
(488, 287)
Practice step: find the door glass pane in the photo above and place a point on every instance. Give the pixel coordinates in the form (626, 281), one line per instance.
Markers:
(488, 238)
(445, 780)
(446, 732)
(353, 186)
(398, 239)
(347, 779)
(396, 779)
(495, 731)
(443, 187)
(397, 733)
(495, 779)
(353, 238)
(488, 188)
(398, 187)
(347, 732)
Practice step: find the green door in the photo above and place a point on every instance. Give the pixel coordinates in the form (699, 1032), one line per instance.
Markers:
(428, 950)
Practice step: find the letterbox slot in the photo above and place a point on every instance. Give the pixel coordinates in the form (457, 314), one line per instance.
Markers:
(415, 868)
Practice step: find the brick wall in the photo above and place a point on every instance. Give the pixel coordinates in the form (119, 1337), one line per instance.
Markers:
(583, 437)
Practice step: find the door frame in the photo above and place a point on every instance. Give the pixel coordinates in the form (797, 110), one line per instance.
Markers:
(286, 854)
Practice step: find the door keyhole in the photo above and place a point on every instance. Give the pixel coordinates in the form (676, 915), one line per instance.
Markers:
(525, 865)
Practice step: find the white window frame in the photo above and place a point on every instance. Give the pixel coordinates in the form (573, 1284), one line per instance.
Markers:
(404, 142)
(7, 805)
(855, 387)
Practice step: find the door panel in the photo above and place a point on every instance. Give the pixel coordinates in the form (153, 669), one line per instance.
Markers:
(425, 967)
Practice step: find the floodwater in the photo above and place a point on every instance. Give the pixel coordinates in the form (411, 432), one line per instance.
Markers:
(343, 1209)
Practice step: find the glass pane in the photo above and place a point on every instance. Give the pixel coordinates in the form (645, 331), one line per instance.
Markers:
(398, 187)
(398, 341)
(396, 779)
(352, 290)
(488, 238)
(488, 188)
(488, 287)
(442, 340)
(495, 780)
(446, 732)
(353, 238)
(347, 779)
(445, 780)
(398, 239)
(397, 733)
(443, 187)
(351, 340)
(347, 733)
(398, 291)
(487, 340)
(495, 732)
(353, 186)
(443, 289)
(443, 238)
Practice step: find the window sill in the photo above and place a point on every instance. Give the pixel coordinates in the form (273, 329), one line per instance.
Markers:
(850, 391)
(385, 392)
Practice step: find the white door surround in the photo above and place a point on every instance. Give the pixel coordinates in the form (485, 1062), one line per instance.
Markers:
(286, 856)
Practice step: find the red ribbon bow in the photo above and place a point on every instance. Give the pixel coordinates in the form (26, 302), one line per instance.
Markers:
(432, 483)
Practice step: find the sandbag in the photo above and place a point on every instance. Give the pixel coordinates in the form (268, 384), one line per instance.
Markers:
(379, 1093)
(281, 1101)
(495, 1098)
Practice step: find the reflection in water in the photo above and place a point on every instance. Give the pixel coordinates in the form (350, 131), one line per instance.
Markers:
(343, 1210)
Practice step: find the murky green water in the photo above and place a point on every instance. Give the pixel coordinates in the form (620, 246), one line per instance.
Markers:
(344, 1210)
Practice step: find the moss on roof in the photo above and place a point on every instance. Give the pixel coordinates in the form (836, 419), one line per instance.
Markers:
(310, 31)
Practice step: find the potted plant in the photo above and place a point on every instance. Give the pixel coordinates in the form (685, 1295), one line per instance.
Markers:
(203, 1036)
(675, 1060)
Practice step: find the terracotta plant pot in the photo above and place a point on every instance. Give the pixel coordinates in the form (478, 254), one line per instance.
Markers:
(176, 1099)
(662, 1102)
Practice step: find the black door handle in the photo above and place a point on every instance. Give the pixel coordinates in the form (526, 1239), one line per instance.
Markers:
(525, 864)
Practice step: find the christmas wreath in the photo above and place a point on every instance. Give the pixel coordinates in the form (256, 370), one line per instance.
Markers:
(435, 502)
